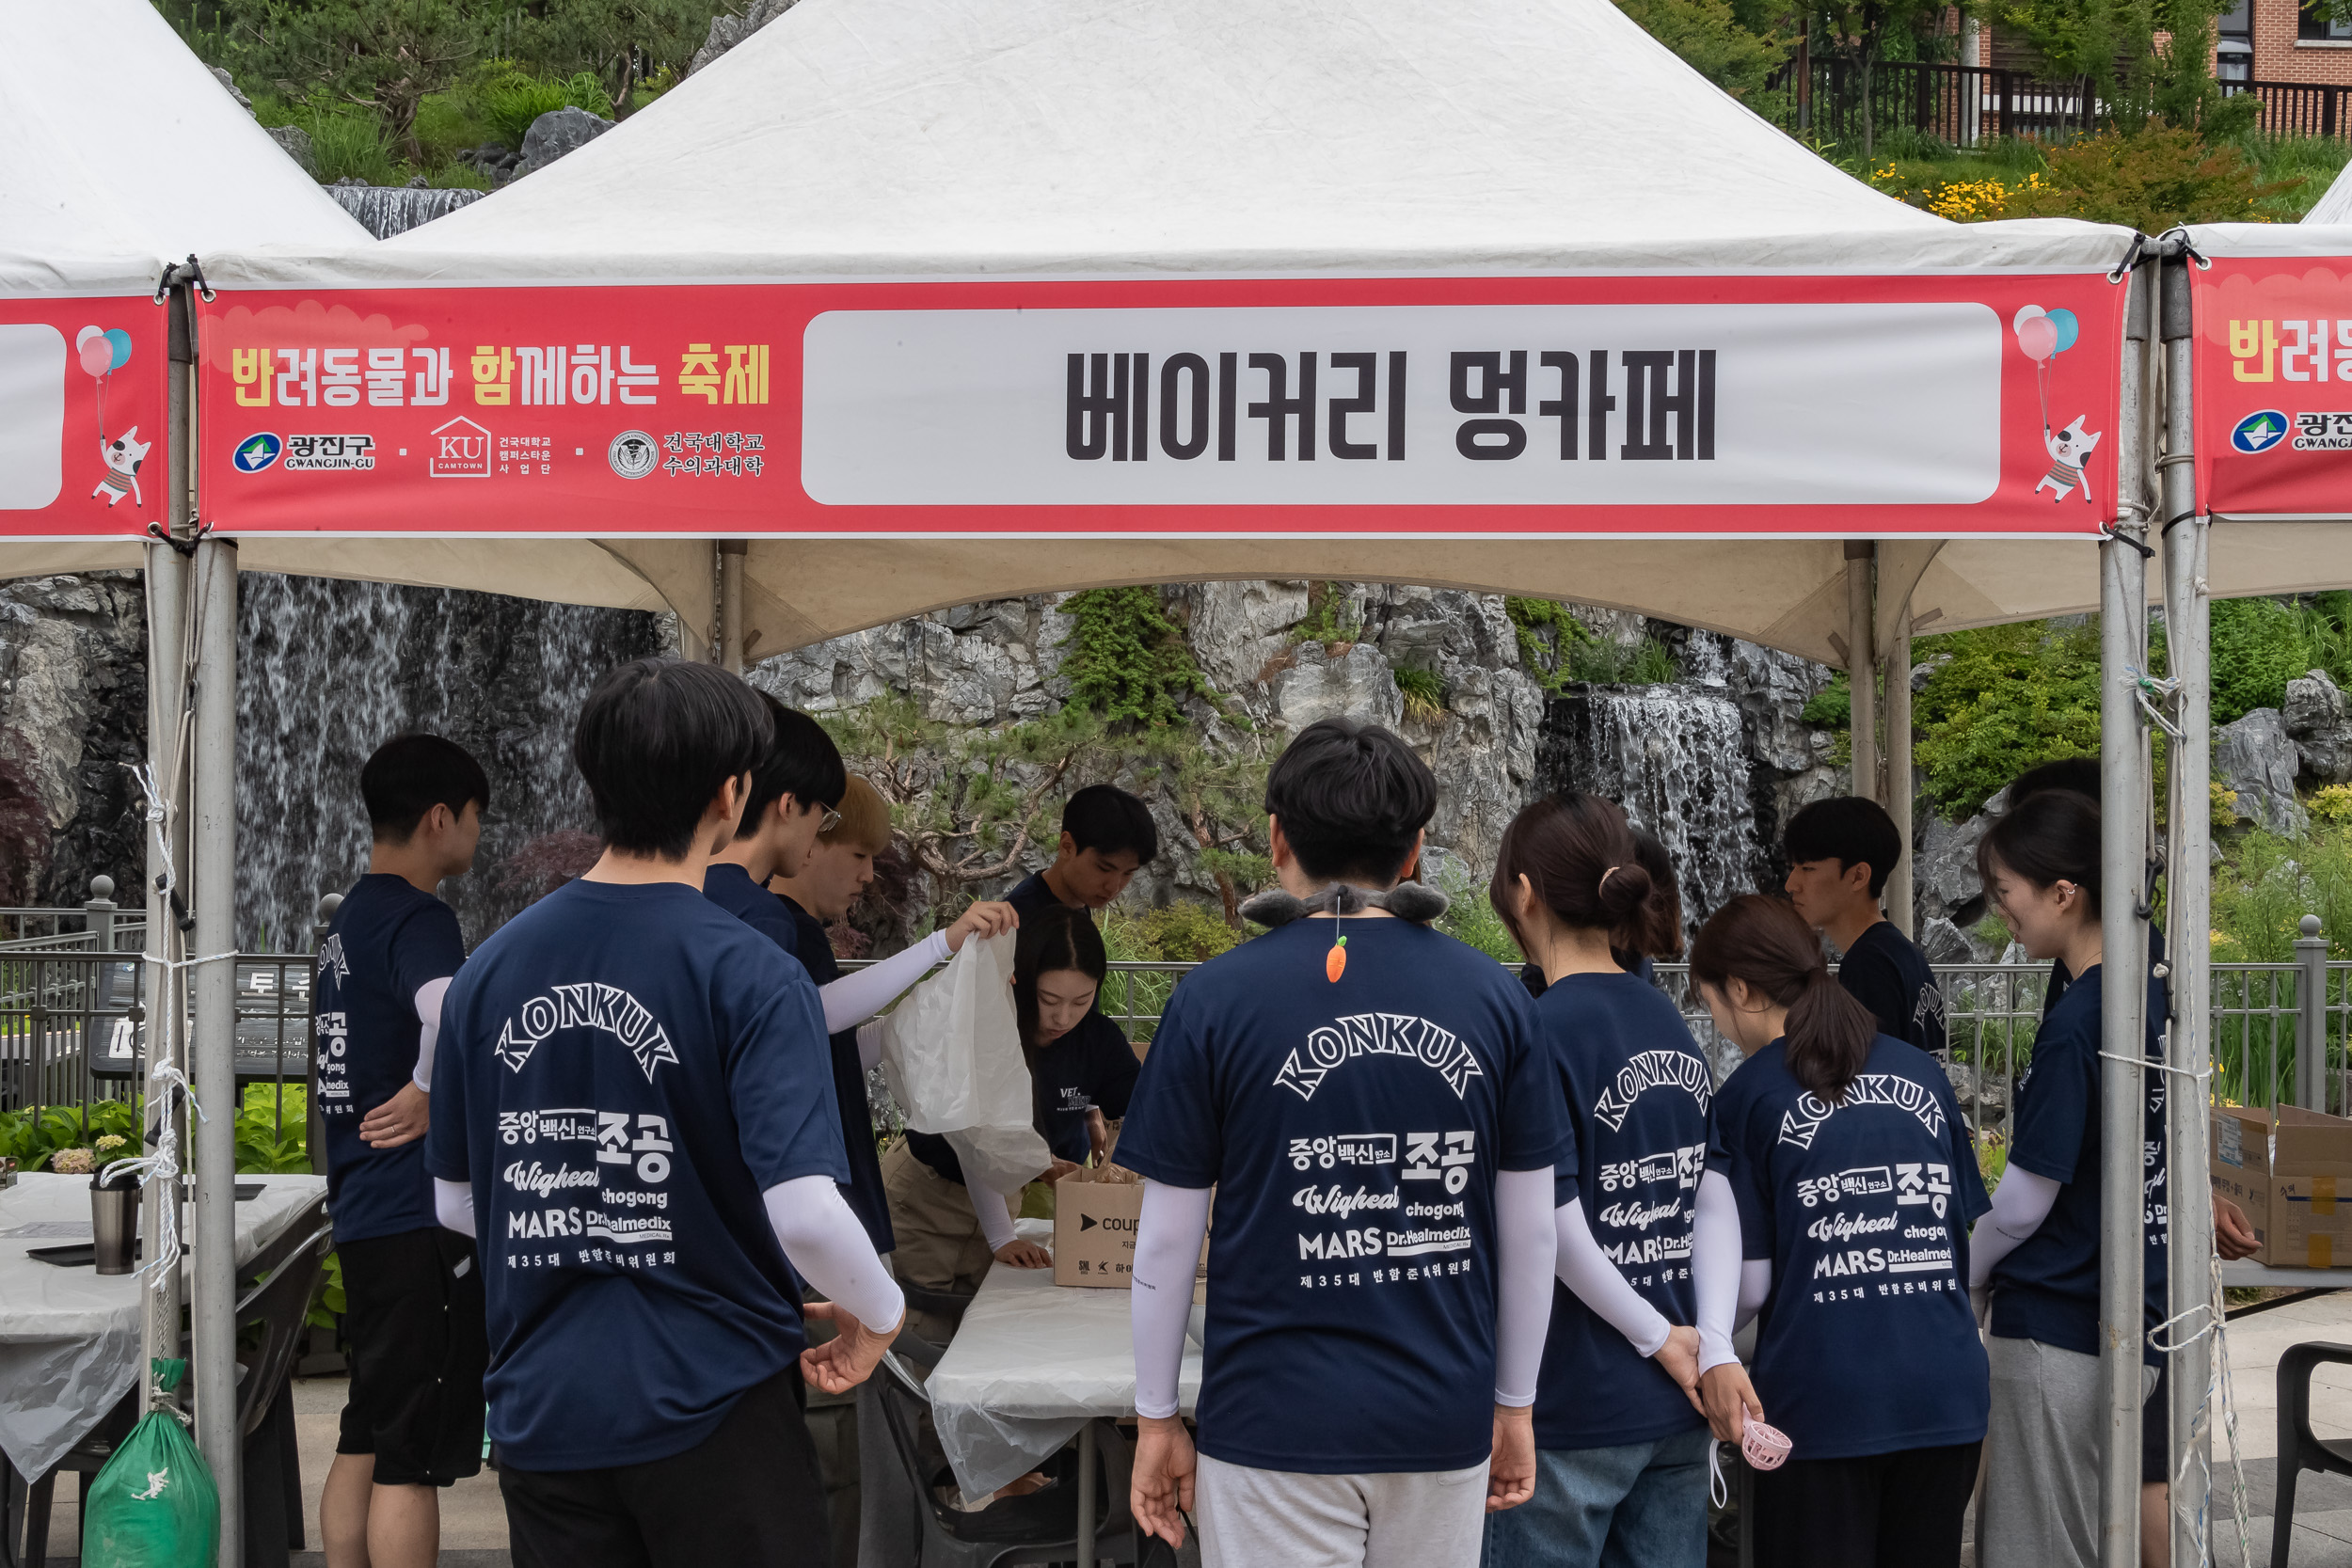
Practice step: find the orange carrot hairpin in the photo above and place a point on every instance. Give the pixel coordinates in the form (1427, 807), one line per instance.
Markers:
(1335, 961)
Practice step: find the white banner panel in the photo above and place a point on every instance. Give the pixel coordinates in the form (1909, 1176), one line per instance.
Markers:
(1734, 405)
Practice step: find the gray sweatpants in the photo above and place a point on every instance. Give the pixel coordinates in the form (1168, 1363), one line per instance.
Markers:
(1410, 1519)
(2041, 1506)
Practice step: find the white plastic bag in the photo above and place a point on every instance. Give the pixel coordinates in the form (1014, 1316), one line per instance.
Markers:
(951, 1055)
(951, 1050)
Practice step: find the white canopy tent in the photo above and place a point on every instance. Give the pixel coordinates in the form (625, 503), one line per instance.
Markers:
(2335, 204)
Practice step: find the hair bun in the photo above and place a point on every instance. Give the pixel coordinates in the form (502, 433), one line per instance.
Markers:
(1624, 889)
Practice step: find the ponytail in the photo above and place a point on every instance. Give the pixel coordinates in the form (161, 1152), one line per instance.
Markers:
(1764, 942)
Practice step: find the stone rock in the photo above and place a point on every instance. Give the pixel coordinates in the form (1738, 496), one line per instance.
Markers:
(1947, 943)
(2256, 758)
(1238, 628)
(229, 84)
(2319, 720)
(1944, 869)
(557, 133)
(1356, 684)
(73, 690)
(726, 31)
(296, 142)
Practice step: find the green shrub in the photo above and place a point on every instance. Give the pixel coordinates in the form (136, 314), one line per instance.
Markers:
(1546, 633)
(1186, 932)
(1331, 617)
(507, 99)
(1832, 707)
(1127, 661)
(1603, 662)
(1471, 916)
(349, 143)
(2008, 698)
(1424, 693)
(449, 124)
(2258, 646)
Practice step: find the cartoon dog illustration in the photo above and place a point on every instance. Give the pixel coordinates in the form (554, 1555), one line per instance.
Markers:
(124, 455)
(2070, 451)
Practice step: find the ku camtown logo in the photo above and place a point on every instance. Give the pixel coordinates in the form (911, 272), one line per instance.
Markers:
(461, 450)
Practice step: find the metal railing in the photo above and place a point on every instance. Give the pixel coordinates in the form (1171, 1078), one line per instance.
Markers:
(1967, 105)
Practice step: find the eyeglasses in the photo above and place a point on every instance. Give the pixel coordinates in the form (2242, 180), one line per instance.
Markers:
(832, 820)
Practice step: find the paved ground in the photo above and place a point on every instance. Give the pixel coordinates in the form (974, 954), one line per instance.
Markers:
(473, 1523)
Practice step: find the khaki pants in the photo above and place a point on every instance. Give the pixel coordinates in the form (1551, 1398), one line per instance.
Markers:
(941, 1246)
(1421, 1519)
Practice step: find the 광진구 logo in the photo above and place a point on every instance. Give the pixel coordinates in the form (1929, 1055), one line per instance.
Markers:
(633, 454)
(257, 452)
(2259, 432)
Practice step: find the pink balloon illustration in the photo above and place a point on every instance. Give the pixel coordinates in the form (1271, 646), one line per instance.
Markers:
(97, 355)
(2038, 336)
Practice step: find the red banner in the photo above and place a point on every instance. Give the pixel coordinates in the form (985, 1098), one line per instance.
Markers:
(1524, 406)
(82, 412)
(2274, 388)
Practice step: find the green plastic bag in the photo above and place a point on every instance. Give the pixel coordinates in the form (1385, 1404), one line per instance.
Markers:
(154, 1505)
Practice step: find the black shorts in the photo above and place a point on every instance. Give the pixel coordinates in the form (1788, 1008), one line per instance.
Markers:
(413, 1313)
(2155, 1430)
(748, 1492)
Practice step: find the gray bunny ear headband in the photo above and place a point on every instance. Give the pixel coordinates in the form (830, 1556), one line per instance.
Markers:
(1412, 901)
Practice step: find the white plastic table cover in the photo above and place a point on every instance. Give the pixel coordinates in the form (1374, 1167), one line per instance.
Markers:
(69, 1338)
(1032, 1363)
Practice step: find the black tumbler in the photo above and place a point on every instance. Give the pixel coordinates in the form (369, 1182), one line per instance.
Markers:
(114, 1222)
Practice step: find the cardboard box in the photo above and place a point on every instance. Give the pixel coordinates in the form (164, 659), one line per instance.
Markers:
(1094, 1233)
(2287, 1170)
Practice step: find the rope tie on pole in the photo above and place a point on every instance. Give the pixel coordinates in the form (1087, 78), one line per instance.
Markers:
(2221, 1390)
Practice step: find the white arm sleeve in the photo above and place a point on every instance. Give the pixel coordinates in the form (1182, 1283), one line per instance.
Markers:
(1715, 1269)
(1755, 1288)
(859, 995)
(1587, 1271)
(2020, 1204)
(1526, 1250)
(869, 1044)
(1168, 1255)
(827, 1247)
(996, 1211)
(429, 1014)
(453, 1205)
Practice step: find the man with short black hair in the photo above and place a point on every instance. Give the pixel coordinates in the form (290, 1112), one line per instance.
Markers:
(1840, 853)
(412, 1422)
(634, 1110)
(1372, 1104)
(1107, 835)
(795, 794)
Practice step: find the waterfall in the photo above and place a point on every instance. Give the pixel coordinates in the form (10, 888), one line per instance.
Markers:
(385, 211)
(328, 670)
(1675, 758)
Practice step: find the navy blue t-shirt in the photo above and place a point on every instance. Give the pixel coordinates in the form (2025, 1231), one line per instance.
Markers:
(731, 888)
(2048, 1288)
(388, 942)
(863, 1192)
(1090, 1068)
(1887, 974)
(1030, 894)
(623, 1071)
(1354, 1132)
(1636, 1092)
(1867, 1344)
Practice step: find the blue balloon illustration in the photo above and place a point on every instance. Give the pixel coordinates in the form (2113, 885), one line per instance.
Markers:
(2068, 329)
(121, 341)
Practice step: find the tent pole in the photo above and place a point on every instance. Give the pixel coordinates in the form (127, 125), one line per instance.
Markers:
(213, 1035)
(1862, 663)
(1899, 901)
(2188, 899)
(2123, 854)
(166, 691)
(731, 555)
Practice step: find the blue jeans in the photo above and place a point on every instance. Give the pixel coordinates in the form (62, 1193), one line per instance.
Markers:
(1643, 1505)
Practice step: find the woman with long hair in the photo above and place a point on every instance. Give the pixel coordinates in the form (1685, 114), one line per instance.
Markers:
(1621, 1444)
(1082, 1070)
(1840, 1185)
(2036, 1257)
